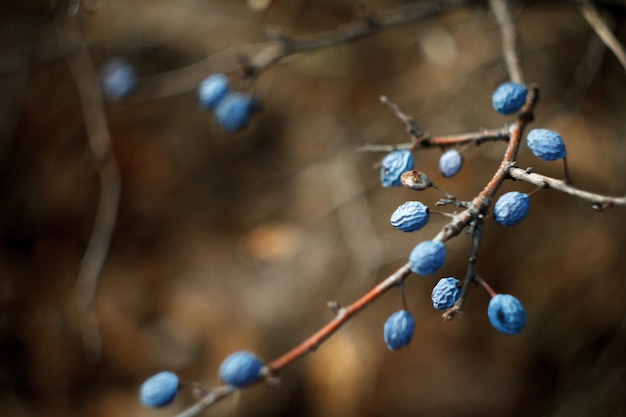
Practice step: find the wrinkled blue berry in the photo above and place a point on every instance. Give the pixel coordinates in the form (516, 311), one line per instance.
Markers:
(450, 163)
(398, 330)
(506, 314)
(511, 208)
(509, 97)
(410, 216)
(159, 390)
(212, 90)
(240, 369)
(394, 164)
(445, 293)
(234, 111)
(427, 257)
(546, 144)
(118, 78)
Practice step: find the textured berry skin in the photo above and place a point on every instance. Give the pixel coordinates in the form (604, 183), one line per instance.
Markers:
(511, 208)
(445, 293)
(212, 90)
(427, 257)
(450, 163)
(159, 390)
(240, 369)
(509, 97)
(234, 111)
(118, 78)
(399, 329)
(546, 144)
(394, 164)
(506, 314)
(410, 216)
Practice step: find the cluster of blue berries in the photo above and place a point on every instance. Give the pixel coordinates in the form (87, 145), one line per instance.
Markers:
(240, 369)
(118, 78)
(233, 110)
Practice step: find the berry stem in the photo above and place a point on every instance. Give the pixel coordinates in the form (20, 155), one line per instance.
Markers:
(486, 286)
(567, 179)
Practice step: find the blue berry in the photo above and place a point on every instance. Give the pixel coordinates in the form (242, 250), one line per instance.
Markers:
(394, 164)
(240, 369)
(399, 329)
(450, 163)
(410, 216)
(427, 257)
(234, 111)
(511, 208)
(445, 293)
(212, 90)
(546, 144)
(509, 97)
(118, 78)
(506, 314)
(159, 390)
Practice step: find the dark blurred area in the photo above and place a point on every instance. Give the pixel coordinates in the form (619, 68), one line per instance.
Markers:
(227, 242)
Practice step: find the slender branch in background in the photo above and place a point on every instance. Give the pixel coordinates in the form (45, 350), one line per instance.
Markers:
(598, 200)
(279, 47)
(501, 10)
(600, 26)
(99, 140)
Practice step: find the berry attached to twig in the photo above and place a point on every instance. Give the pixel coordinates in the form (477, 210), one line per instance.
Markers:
(399, 329)
(234, 111)
(509, 97)
(212, 90)
(410, 216)
(394, 164)
(450, 163)
(511, 208)
(240, 369)
(159, 390)
(506, 314)
(445, 293)
(427, 257)
(546, 144)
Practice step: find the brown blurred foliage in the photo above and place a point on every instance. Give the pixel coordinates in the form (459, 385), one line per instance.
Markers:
(228, 242)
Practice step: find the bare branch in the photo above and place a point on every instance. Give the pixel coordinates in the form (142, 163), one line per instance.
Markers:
(99, 140)
(600, 26)
(510, 38)
(602, 201)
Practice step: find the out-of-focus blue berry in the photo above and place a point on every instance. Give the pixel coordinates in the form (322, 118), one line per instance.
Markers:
(511, 208)
(212, 90)
(118, 78)
(234, 111)
(506, 314)
(394, 164)
(410, 216)
(450, 163)
(159, 390)
(445, 293)
(399, 329)
(240, 369)
(427, 257)
(509, 97)
(546, 144)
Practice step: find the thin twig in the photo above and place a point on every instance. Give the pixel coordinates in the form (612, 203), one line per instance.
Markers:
(599, 25)
(560, 185)
(99, 140)
(510, 38)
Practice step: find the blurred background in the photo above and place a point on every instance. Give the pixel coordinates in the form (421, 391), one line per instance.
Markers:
(236, 241)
